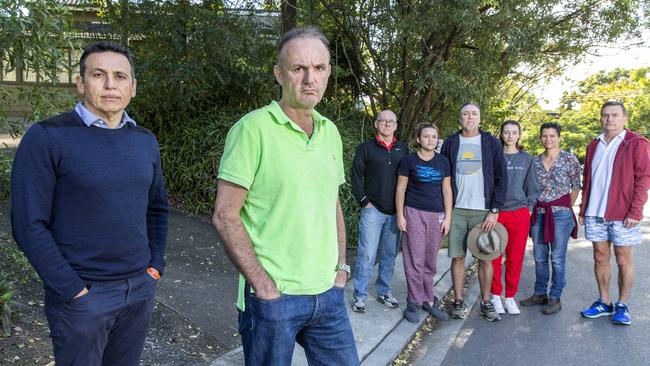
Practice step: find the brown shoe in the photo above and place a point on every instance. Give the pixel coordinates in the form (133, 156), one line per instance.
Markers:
(553, 306)
(534, 300)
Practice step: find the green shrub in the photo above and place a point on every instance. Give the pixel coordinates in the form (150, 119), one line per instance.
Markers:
(5, 174)
(15, 270)
(6, 293)
(190, 154)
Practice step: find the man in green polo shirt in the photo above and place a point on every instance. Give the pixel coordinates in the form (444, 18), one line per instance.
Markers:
(278, 215)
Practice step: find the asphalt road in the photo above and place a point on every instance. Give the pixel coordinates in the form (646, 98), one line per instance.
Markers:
(566, 338)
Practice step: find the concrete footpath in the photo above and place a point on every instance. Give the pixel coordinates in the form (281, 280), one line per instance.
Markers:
(566, 338)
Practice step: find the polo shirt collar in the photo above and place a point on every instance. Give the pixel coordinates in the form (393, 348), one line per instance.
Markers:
(281, 118)
(382, 143)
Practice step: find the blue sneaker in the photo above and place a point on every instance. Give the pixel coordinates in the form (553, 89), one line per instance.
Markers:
(598, 309)
(622, 316)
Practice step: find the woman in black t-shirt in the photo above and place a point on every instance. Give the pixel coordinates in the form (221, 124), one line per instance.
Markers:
(424, 202)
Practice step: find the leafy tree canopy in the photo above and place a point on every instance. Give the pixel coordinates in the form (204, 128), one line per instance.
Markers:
(580, 110)
(423, 59)
(35, 35)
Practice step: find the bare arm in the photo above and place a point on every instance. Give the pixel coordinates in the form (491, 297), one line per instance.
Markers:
(400, 191)
(238, 245)
(341, 276)
(574, 196)
(448, 198)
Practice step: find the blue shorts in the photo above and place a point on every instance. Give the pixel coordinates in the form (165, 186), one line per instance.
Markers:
(597, 229)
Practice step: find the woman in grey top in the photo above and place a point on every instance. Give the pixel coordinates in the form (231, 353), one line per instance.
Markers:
(515, 216)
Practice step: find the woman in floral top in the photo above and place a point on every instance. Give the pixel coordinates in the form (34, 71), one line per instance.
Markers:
(558, 173)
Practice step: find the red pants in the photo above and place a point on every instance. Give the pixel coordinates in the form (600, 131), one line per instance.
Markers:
(517, 223)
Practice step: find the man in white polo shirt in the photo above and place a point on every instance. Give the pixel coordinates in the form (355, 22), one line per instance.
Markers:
(616, 179)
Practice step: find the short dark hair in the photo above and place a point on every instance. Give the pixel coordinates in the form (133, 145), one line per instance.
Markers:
(513, 123)
(106, 46)
(554, 125)
(613, 103)
(302, 32)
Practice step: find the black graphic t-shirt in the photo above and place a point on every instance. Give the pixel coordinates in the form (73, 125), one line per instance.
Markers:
(424, 189)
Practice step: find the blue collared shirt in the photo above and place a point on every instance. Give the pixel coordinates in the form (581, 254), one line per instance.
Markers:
(91, 119)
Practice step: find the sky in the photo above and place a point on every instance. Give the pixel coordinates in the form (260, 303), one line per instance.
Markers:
(609, 58)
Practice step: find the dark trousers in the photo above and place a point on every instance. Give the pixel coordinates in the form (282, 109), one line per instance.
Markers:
(107, 326)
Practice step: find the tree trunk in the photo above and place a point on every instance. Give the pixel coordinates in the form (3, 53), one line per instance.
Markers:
(288, 11)
(124, 20)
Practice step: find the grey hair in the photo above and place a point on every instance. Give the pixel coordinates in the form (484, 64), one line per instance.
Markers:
(301, 32)
(471, 103)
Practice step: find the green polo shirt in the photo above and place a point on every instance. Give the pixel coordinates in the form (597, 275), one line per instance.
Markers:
(290, 210)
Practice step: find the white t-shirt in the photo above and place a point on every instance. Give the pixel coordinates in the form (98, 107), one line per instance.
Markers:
(469, 174)
(601, 174)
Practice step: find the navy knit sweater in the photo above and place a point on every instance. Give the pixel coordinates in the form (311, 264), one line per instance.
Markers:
(88, 203)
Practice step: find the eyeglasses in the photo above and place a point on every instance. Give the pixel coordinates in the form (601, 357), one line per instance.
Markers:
(387, 122)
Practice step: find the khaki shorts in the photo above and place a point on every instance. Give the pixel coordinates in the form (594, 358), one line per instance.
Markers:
(462, 221)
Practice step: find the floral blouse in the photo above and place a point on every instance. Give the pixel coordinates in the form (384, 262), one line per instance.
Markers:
(562, 178)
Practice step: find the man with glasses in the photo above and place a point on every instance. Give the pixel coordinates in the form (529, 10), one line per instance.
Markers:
(374, 180)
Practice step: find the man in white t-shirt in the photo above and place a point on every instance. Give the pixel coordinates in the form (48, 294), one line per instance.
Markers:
(479, 180)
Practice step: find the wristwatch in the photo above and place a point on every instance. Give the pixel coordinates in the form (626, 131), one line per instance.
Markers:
(343, 267)
(495, 210)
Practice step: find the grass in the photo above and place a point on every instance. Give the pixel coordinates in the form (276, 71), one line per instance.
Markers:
(16, 271)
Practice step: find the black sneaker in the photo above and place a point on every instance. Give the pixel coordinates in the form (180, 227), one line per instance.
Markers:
(388, 300)
(359, 305)
(488, 312)
(459, 309)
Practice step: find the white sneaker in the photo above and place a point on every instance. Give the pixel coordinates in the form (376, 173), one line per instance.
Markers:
(511, 306)
(496, 302)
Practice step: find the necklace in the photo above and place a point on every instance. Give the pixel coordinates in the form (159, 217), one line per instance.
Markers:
(509, 158)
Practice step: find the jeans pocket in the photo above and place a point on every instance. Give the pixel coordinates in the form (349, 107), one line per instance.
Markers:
(274, 311)
(263, 301)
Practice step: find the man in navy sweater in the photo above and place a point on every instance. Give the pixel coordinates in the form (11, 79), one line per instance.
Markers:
(89, 209)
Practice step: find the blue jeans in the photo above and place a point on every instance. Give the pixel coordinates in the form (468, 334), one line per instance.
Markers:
(558, 249)
(377, 232)
(319, 323)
